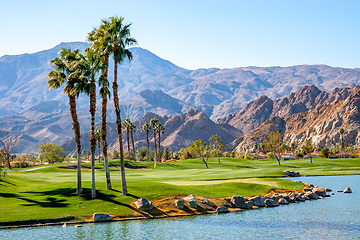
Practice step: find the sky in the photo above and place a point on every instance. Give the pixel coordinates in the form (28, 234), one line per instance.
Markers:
(197, 34)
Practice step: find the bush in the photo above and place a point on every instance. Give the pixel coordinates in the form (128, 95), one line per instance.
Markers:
(141, 153)
(299, 155)
(185, 154)
(176, 155)
(271, 155)
(51, 152)
(167, 154)
(23, 161)
(115, 155)
(325, 152)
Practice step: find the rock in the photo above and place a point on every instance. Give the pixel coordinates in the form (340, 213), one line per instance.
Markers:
(321, 197)
(286, 197)
(300, 198)
(339, 191)
(328, 190)
(282, 201)
(312, 185)
(307, 198)
(271, 203)
(102, 217)
(307, 189)
(319, 191)
(332, 193)
(249, 204)
(207, 202)
(291, 174)
(222, 209)
(312, 195)
(327, 195)
(292, 197)
(276, 197)
(347, 190)
(191, 200)
(179, 204)
(64, 225)
(143, 204)
(238, 202)
(78, 226)
(258, 201)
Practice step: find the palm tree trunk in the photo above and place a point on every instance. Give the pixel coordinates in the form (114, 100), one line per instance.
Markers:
(133, 145)
(148, 146)
(92, 138)
(128, 143)
(76, 127)
(159, 148)
(99, 150)
(118, 127)
(155, 146)
(104, 130)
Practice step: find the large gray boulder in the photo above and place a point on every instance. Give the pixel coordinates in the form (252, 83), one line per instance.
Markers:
(143, 204)
(283, 201)
(271, 203)
(292, 197)
(347, 190)
(207, 202)
(222, 209)
(312, 195)
(191, 200)
(179, 204)
(238, 202)
(102, 217)
(258, 201)
(319, 191)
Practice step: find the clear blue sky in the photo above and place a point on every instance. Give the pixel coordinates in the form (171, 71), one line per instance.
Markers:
(198, 34)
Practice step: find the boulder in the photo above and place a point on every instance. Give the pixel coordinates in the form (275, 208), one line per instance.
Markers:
(292, 197)
(271, 203)
(319, 191)
(282, 201)
(347, 190)
(249, 204)
(300, 198)
(258, 201)
(307, 190)
(238, 202)
(327, 195)
(102, 217)
(191, 200)
(207, 202)
(179, 204)
(143, 204)
(276, 196)
(312, 195)
(222, 209)
(285, 196)
(328, 190)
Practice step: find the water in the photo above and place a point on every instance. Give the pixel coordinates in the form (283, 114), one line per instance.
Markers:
(337, 217)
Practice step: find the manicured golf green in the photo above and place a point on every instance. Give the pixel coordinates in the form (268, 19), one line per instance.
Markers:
(47, 194)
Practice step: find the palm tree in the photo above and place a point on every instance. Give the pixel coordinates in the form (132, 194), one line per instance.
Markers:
(126, 125)
(63, 68)
(292, 145)
(159, 129)
(132, 130)
(99, 39)
(341, 131)
(153, 123)
(98, 139)
(147, 129)
(86, 71)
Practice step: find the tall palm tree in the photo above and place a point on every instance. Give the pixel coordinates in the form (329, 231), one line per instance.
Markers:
(98, 139)
(86, 71)
(147, 129)
(153, 123)
(341, 131)
(126, 125)
(99, 39)
(159, 129)
(120, 38)
(63, 68)
(132, 130)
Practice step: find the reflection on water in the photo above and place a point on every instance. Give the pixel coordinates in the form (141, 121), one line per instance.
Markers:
(337, 217)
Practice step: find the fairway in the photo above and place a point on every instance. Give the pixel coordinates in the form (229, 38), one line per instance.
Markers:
(47, 194)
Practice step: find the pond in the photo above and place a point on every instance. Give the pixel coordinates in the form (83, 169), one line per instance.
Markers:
(337, 217)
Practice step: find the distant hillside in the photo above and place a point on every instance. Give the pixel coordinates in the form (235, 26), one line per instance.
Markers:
(320, 125)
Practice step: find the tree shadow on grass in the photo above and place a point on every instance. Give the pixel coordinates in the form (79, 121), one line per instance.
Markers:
(49, 202)
(4, 181)
(8, 195)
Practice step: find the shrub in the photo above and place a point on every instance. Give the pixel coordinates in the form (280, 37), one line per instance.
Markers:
(167, 154)
(141, 153)
(325, 152)
(299, 155)
(271, 155)
(115, 155)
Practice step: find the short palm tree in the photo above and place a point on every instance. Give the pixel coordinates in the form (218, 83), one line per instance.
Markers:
(126, 125)
(159, 129)
(147, 129)
(98, 139)
(341, 132)
(153, 123)
(132, 131)
(63, 68)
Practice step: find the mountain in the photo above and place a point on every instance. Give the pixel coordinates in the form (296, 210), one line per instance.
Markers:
(180, 131)
(306, 98)
(320, 125)
(23, 81)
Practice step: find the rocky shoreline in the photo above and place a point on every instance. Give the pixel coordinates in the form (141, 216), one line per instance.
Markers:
(182, 205)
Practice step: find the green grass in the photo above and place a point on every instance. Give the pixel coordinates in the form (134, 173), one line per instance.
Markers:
(48, 194)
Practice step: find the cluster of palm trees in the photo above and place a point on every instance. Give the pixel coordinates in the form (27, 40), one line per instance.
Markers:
(157, 128)
(79, 73)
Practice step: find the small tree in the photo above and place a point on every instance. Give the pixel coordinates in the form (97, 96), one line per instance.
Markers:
(325, 152)
(199, 147)
(115, 155)
(51, 152)
(274, 141)
(167, 154)
(8, 142)
(307, 148)
(216, 144)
